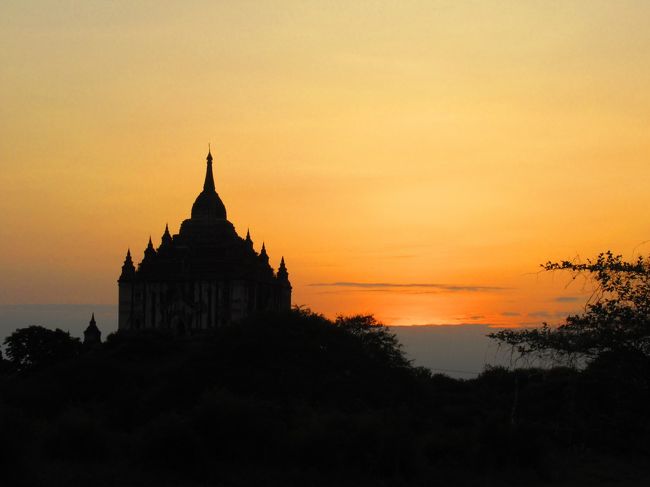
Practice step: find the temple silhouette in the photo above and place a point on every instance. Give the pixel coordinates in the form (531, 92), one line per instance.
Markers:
(92, 335)
(203, 277)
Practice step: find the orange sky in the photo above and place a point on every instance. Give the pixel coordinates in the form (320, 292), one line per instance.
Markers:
(429, 155)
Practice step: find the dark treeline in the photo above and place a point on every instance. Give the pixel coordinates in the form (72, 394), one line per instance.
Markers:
(296, 399)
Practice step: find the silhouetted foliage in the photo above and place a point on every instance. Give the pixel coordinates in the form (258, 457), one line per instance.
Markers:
(617, 318)
(37, 346)
(5, 365)
(296, 399)
(377, 340)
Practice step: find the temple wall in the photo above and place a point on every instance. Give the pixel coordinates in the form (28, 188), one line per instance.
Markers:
(197, 305)
(125, 306)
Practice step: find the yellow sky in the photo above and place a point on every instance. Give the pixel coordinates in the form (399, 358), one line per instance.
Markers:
(452, 145)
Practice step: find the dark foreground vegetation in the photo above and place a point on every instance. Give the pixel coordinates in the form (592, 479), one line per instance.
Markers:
(296, 399)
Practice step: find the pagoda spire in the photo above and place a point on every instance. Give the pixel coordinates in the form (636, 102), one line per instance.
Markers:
(208, 185)
(208, 205)
(249, 240)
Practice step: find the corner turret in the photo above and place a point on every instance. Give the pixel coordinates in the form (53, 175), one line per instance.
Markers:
(283, 274)
(149, 253)
(166, 241)
(285, 286)
(264, 257)
(125, 292)
(128, 269)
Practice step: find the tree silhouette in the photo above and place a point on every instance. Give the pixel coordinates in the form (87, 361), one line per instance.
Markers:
(37, 346)
(378, 341)
(615, 321)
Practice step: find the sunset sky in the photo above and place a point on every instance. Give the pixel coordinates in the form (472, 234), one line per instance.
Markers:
(416, 160)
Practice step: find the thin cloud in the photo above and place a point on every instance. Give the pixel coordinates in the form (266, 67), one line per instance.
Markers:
(566, 299)
(510, 313)
(409, 286)
(457, 326)
(545, 314)
(529, 324)
(540, 314)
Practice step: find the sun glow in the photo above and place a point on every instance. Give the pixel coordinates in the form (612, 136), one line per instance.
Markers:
(434, 143)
